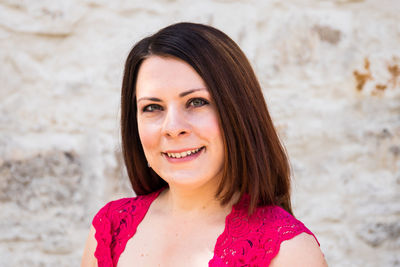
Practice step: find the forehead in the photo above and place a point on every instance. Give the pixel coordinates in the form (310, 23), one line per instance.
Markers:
(166, 74)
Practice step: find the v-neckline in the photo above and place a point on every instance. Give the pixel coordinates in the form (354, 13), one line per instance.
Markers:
(156, 194)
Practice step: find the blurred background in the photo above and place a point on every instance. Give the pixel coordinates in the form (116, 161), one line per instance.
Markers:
(330, 71)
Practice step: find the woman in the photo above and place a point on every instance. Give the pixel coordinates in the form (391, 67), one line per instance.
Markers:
(202, 154)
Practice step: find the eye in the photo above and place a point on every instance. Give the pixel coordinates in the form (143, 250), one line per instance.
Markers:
(151, 108)
(197, 102)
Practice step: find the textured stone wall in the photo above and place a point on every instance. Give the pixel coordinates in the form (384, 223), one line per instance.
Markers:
(330, 71)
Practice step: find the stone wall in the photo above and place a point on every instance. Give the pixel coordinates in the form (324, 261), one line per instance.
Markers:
(330, 71)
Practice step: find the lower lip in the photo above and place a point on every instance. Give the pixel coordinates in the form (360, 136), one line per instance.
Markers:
(184, 159)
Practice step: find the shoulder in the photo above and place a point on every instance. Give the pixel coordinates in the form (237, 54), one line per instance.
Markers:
(122, 210)
(88, 258)
(117, 221)
(294, 243)
(115, 206)
(271, 231)
(301, 250)
(275, 221)
(125, 205)
(97, 250)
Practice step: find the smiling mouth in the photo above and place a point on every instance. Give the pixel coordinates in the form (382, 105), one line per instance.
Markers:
(184, 153)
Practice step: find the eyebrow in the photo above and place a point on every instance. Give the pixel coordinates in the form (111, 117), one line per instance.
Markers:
(188, 92)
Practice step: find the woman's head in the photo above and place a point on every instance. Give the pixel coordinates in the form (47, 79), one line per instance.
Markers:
(178, 124)
(254, 160)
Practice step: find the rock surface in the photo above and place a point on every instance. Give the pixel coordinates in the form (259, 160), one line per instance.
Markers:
(330, 71)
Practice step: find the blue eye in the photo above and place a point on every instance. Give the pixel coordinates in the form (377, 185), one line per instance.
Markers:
(197, 102)
(151, 108)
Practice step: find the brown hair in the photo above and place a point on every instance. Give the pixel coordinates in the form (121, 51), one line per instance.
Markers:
(256, 163)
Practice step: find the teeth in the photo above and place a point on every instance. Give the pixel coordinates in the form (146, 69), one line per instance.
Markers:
(183, 154)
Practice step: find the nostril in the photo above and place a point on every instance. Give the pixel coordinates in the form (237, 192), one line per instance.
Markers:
(175, 133)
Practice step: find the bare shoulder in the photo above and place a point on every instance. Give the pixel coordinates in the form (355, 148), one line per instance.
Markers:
(88, 258)
(301, 250)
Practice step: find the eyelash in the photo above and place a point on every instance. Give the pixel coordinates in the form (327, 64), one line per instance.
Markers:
(204, 102)
(158, 107)
(145, 109)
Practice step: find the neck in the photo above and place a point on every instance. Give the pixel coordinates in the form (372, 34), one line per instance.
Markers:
(184, 202)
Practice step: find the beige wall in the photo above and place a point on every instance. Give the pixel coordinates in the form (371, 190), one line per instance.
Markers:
(330, 71)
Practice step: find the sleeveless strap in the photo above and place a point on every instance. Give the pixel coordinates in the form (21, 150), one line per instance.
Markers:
(254, 240)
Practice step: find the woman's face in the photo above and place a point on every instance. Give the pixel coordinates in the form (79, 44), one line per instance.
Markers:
(178, 123)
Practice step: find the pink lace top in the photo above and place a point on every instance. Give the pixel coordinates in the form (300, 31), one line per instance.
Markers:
(246, 241)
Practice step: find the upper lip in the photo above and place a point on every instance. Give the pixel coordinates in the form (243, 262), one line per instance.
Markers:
(181, 150)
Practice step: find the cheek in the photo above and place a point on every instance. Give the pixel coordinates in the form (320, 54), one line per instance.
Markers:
(209, 127)
(148, 136)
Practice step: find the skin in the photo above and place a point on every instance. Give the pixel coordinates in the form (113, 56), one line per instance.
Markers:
(302, 251)
(183, 117)
(176, 113)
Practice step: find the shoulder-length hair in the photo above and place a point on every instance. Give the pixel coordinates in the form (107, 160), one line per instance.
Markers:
(256, 163)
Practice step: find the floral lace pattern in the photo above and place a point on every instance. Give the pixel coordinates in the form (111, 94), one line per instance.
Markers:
(115, 224)
(246, 241)
(255, 240)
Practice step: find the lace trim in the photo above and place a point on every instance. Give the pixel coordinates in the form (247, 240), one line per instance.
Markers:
(116, 223)
(103, 229)
(245, 240)
(256, 239)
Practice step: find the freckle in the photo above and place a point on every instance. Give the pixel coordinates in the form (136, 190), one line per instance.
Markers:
(142, 255)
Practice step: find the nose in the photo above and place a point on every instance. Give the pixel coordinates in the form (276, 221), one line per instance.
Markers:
(175, 124)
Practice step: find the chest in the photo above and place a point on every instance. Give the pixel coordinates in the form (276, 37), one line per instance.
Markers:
(180, 243)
